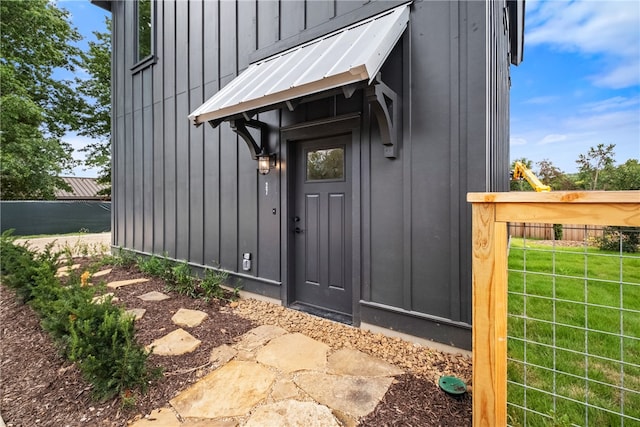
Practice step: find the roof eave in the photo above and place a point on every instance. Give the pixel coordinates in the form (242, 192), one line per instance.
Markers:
(104, 4)
(516, 30)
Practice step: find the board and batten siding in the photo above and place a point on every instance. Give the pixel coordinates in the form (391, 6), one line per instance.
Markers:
(195, 194)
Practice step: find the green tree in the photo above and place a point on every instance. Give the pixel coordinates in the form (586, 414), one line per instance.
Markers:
(592, 164)
(95, 119)
(552, 176)
(622, 177)
(36, 39)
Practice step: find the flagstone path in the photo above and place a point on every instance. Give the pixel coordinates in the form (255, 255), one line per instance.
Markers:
(268, 377)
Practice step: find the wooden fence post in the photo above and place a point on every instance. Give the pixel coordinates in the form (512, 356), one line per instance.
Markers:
(489, 317)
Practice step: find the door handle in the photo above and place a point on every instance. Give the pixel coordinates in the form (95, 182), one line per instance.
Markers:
(298, 230)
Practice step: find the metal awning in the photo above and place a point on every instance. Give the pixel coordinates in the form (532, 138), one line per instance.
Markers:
(350, 55)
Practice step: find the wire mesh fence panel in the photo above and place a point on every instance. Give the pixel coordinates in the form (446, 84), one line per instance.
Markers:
(573, 328)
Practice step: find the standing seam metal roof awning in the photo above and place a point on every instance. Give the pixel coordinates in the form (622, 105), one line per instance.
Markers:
(346, 56)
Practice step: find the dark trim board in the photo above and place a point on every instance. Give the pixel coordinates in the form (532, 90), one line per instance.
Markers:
(456, 334)
(320, 312)
(253, 285)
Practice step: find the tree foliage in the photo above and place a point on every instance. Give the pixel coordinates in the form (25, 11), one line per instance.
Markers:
(591, 165)
(95, 118)
(552, 176)
(31, 162)
(622, 177)
(37, 109)
(597, 171)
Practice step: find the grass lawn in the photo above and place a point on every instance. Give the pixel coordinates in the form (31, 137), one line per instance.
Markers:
(574, 336)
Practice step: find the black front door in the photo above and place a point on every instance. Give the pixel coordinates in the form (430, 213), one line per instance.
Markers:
(322, 223)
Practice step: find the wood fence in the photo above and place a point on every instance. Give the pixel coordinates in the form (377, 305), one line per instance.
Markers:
(491, 213)
(570, 232)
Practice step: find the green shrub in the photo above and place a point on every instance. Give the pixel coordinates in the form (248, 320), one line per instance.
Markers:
(211, 284)
(617, 238)
(58, 306)
(104, 346)
(22, 269)
(11, 253)
(98, 337)
(123, 258)
(557, 231)
(155, 266)
(17, 267)
(180, 280)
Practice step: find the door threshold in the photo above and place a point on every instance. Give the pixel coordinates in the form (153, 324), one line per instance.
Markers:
(322, 312)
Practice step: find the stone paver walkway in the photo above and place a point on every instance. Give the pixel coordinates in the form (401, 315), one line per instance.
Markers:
(101, 273)
(121, 283)
(66, 269)
(175, 343)
(269, 377)
(274, 378)
(153, 296)
(189, 318)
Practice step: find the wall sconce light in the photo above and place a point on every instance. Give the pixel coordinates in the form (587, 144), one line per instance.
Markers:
(266, 162)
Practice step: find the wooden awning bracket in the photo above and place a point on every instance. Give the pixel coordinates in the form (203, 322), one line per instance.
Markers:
(239, 126)
(384, 103)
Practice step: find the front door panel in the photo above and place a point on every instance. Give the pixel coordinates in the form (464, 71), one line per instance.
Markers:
(322, 223)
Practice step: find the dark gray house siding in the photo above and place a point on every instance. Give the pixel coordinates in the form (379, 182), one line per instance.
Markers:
(194, 192)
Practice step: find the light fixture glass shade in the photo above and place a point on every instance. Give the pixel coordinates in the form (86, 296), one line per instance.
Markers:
(264, 164)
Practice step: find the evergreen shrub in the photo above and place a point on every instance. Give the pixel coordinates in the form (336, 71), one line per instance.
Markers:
(98, 337)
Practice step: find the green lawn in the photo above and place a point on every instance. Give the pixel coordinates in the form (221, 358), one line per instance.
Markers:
(574, 316)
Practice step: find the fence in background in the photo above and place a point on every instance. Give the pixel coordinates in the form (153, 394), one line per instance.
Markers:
(570, 354)
(570, 232)
(55, 217)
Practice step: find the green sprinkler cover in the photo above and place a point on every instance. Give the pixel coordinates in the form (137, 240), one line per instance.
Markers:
(452, 385)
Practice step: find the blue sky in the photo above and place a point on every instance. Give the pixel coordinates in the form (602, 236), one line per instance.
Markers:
(87, 18)
(578, 86)
(579, 83)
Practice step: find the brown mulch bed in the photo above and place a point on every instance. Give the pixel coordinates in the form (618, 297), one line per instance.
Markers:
(413, 402)
(39, 387)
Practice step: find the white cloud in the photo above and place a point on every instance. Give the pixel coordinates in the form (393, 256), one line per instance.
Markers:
(538, 100)
(615, 103)
(517, 141)
(609, 121)
(605, 28)
(551, 138)
(620, 77)
(561, 138)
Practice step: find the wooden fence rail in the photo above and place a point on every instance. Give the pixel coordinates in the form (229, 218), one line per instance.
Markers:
(491, 212)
